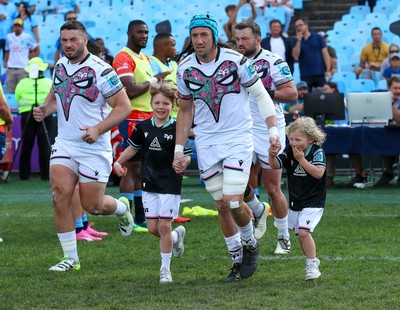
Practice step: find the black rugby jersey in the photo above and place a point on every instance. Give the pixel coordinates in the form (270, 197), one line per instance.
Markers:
(305, 191)
(158, 146)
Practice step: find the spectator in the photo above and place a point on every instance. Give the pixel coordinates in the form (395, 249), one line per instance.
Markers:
(372, 55)
(393, 69)
(278, 44)
(8, 12)
(62, 6)
(331, 52)
(310, 50)
(288, 7)
(297, 107)
(30, 24)
(29, 97)
(371, 3)
(232, 12)
(389, 160)
(18, 46)
(163, 60)
(107, 57)
(393, 48)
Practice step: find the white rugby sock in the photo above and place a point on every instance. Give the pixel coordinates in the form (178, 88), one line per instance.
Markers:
(234, 247)
(121, 208)
(256, 206)
(166, 260)
(282, 225)
(246, 233)
(68, 244)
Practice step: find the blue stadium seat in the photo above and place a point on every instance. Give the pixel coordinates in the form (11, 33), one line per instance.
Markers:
(344, 26)
(349, 66)
(386, 9)
(381, 85)
(346, 77)
(347, 50)
(297, 4)
(355, 17)
(360, 9)
(277, 12)
(378, 17)
(12, 103)
(361, 85)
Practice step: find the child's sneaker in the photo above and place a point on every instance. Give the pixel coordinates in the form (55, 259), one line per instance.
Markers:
(165, 275)
(312, 270)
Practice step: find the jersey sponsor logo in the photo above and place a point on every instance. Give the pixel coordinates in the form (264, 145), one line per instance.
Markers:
(279, 61)
(211, 89)
(155, 145)
(299, 171)
(107, 71)
(168, 137)
(318, 156)
(81, 83)
(263, 69)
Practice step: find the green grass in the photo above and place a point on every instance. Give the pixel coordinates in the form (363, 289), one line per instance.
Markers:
(357, 242)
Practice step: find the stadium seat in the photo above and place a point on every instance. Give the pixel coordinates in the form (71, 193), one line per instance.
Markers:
(347, 50)
(10, 99)
(349, 66)
(355, 17)
(381, 85)
(360, 9)
(362, 85)
(275, 13)
(122, 3)
(346, 77)
(344, 26)
(378, 17)
(386, 9)
(297, 4)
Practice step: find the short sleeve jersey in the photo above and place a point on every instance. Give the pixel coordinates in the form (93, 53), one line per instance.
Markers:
(81, 92)
(305, 191)
(222, 112)
(273, 72)
(19, 47)
(158, 144)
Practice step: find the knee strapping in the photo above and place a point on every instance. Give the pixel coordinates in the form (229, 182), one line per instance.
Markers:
(214, 187)
(235, 182)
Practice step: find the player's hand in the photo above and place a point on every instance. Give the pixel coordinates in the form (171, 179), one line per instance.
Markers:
(91, 135)
(39, 113)
(119, 170)
(274, 150)
(180, 163)
(274, 141)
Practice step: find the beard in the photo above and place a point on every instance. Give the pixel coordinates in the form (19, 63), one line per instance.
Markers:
(76, 55)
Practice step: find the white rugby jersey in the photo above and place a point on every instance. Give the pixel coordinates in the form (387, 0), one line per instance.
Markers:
(273, 71)
(81, 91)
(222, 112)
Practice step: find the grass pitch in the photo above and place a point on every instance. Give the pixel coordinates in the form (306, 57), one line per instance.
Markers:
(357, 243)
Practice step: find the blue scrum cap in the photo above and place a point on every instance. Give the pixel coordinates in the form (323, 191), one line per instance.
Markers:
(205, 20)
